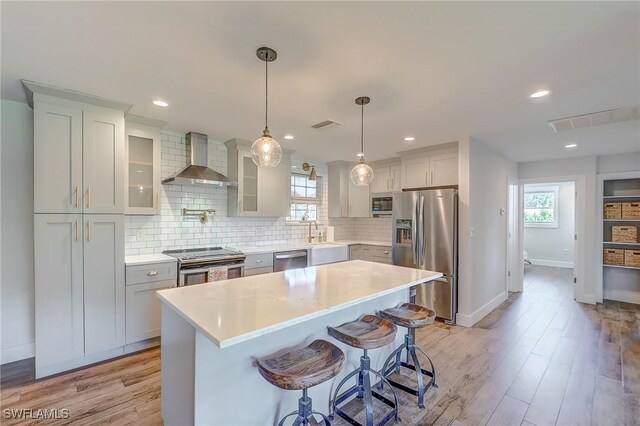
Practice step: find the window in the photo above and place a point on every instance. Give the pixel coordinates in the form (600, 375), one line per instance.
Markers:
(541, 207)
(306, 196)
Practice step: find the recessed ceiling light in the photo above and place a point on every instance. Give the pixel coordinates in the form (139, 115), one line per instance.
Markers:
(160, 103)
(540, 93)
(409, 138)
(289, 137)
(571, 146)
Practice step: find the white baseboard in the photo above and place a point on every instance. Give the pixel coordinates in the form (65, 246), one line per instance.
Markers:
(628, 296)
(470, 320)
(17, 352)
(587, 298)
(552, 263)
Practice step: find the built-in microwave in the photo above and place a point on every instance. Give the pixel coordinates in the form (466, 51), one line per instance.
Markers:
(381, 204)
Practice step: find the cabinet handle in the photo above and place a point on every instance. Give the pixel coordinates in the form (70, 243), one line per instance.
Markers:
(158, 202)
(77, 194)
(431, 183)
(89, 196)
(259, 261)
(152, 273)
(77, 229)
(88, 230)
(386, 252)
(393, 183)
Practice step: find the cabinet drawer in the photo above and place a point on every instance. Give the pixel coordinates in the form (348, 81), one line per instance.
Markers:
(382, 252)
(379, 259)
(258, 271)
(140, 274)
(144, 310)
(259, 260)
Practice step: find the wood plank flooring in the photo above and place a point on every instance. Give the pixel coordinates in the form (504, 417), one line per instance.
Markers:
(539, 359)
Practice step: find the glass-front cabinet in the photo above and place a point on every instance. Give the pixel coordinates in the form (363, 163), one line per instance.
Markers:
(143, 153)
(248, 185)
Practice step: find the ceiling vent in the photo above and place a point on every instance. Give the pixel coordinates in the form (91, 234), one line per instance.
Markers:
(595, 119)
(326, 124)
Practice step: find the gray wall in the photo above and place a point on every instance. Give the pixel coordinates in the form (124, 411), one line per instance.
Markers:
(16, 285)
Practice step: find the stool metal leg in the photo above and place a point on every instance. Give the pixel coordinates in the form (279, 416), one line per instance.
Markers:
(363, 387)
(304, 415)
(414, 364)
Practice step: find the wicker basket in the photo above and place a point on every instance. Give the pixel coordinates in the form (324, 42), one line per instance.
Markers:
(632, 258)
(613, 256)
(613, 210)
(624, 234)
(630, 210)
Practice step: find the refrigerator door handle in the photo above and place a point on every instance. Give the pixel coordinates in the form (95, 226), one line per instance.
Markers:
(414, 236)
(423, 244)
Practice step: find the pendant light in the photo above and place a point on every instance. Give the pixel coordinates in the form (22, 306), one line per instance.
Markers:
(266, 151)
(362, 173)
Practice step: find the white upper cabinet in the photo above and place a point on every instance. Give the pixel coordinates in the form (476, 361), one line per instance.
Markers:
(104, 289)
(381, 179)
(78, 157)
(57, 159)
(261, 191)
(103, 160)
(415, 172)
(428, 169)
(345, 198)
(143, 161)
(59, 321)
(386, 178)
(443, 169)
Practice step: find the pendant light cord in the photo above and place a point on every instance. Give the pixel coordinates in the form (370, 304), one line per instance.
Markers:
(362, 131)
(266, 94)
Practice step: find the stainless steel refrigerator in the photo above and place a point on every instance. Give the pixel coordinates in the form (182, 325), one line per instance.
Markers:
(425, 236)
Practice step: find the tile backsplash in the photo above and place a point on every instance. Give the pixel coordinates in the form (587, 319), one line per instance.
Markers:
(170, 230)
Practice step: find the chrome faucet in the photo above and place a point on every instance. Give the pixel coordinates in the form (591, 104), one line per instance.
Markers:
(310, 238)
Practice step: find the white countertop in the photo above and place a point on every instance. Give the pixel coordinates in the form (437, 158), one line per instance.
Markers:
(237, 310)
(303, 245)
(145, 259)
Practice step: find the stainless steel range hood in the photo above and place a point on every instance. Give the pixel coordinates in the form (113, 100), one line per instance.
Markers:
(198, 172)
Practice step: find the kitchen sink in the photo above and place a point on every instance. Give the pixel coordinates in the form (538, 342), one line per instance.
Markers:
(323, 253)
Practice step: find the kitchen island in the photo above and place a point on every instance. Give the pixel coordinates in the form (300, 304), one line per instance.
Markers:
(212, 334)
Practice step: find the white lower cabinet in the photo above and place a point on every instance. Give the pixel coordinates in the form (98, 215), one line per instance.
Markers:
(59, 295)
(370, 253)
(144, 310)
(104, 303)
(143, 305)
(79, 288)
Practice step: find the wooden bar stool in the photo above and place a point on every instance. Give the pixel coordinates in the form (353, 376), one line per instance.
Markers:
(412, 317)
(369, 332)
(301, 369)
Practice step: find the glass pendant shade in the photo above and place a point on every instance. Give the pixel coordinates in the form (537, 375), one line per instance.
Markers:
(362, 174)
(266, 151)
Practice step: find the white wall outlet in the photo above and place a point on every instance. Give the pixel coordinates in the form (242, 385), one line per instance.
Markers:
(259, 232)
(141, 234)
(472, 233)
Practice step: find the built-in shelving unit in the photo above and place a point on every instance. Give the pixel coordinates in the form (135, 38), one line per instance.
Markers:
(619, 281)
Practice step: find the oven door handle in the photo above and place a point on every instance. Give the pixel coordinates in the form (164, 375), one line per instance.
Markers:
(193, 271)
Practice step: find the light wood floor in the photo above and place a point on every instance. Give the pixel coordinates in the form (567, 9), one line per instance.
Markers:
(539, 359)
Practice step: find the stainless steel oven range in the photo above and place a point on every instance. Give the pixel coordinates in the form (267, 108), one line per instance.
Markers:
(194, 265)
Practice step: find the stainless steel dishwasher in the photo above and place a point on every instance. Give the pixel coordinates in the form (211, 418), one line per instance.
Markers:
(285, 260)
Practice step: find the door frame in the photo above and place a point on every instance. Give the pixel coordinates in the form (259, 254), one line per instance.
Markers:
(514, 279)
(580, 254)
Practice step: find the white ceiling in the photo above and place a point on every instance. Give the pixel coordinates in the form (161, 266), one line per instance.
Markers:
(438, 71)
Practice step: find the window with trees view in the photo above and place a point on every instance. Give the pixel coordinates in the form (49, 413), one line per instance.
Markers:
(306, 196)
(541, 207)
